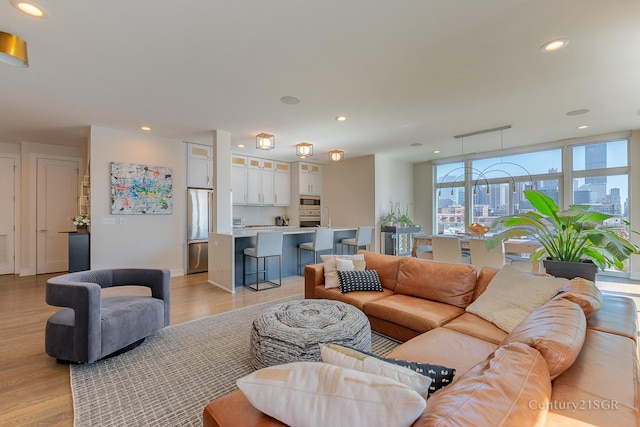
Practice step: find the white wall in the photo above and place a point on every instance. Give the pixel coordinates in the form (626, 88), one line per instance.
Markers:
(348, 190)
(393, 184)
(423, 196)
(144, 241)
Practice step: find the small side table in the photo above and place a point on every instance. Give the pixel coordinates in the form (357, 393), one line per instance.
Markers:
(79, 254)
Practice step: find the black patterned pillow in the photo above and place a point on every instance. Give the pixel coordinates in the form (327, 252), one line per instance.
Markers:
(359, 280)
(440, 375)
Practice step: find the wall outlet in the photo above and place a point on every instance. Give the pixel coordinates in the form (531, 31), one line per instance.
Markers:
(108, 221)
(123, 221)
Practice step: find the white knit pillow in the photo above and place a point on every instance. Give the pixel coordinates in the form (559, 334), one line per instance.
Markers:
(331, 269)
(319, 394)
(353, 359)
(512, 295)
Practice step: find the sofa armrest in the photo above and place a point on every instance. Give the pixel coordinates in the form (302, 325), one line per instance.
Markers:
(313, 276)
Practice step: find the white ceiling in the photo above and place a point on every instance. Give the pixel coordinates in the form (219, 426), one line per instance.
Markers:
(403, 72)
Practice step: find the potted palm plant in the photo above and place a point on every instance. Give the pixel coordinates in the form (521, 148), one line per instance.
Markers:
(575, 242)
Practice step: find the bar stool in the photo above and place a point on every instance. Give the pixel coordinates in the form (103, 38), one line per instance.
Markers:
(322, 241)
(268, 244)
(363, 238)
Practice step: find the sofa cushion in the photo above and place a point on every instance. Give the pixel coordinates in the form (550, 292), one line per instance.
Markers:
(359, 281)
(484, 278)
(584, 293)
(320, 394)
(512, 295)
(601, 388)
(414, 313)
(331, 268)
(437, 281)
(556, 330)
(349, 358)
(614, 308)
(386, 265)
(356, 299)
(442, 346)
(473, 325)
(485, 396)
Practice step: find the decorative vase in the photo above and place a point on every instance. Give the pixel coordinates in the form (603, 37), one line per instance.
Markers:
(569, 270)
(82, 229)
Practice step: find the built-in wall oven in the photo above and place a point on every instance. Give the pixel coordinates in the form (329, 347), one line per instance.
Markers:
(309, 211)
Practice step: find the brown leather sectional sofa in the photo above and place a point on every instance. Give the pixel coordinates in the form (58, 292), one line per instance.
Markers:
(572, 362)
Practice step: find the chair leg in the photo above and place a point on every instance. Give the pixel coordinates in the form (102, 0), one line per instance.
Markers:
(279, 270)
(257, 273)
(244, 270)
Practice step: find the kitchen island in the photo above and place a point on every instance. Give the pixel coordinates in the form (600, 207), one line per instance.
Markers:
(226, 252)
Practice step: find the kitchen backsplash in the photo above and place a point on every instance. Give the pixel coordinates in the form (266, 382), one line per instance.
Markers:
(259, 215)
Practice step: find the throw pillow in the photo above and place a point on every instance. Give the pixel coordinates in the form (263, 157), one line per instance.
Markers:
(440, 375)
(353, 359)
(344, 265)
(359, 281)
(512, 295)
(320, 394)
(330, 268)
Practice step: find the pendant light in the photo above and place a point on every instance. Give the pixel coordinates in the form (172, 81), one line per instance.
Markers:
(304, 150)
(13, 50)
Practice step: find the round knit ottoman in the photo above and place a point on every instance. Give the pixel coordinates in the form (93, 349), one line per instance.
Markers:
(290, 332)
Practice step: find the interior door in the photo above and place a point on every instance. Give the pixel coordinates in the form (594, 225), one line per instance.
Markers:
(7, 216)
(57, 203)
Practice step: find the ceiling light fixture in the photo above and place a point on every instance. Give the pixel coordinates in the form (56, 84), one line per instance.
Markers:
(13, 50)
(304, 150)
(583, 127)
(336, 156)
(29, 8)
(578, 112)
(436, 151)
(265, 141)
(554, 45)
(145, 128)
(290, 100)
(240, 145)
(341, 118)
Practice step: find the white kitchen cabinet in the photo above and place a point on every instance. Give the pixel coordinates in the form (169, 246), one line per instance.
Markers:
(309, 179)
(199, 166)
(282, 184)
(239, 179)
(260, 188)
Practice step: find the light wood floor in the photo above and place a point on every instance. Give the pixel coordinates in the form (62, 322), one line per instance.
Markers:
(34, 388)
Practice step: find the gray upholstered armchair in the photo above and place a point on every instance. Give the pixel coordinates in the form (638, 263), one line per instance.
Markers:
(94, 326)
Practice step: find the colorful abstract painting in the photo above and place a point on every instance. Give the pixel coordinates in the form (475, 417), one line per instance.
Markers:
(141, 190)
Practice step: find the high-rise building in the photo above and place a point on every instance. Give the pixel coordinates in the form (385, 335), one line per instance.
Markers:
(595, 157)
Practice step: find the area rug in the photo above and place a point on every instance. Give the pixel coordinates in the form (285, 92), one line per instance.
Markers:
(170, 378)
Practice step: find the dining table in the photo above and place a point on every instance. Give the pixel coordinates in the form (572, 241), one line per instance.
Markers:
(511, 246)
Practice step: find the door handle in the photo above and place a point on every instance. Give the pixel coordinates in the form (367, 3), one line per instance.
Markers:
(42, 230)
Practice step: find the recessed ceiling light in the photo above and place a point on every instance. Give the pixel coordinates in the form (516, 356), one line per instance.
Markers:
(145, 128)
(578, 112)
(436, 151)
(240, 145)
(29, 8)
(290, 100)
(416, 144)
(341, 118)
(583, 127)
(554, 45)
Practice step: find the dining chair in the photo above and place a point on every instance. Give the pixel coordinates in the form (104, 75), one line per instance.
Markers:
(448, 249)
(322, 241)
(483, 257)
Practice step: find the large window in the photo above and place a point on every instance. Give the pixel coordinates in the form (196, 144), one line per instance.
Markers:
(480, 190)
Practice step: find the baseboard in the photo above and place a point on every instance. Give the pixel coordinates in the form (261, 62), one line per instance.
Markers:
(27, 272)
(222, 287)
(175, 272)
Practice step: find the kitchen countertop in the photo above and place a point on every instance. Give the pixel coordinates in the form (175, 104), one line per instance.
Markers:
(252, 231)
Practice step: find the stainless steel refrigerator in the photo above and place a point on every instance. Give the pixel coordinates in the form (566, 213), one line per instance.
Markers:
(198, 227)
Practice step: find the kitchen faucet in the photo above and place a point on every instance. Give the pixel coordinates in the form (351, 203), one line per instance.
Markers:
(328, 215)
